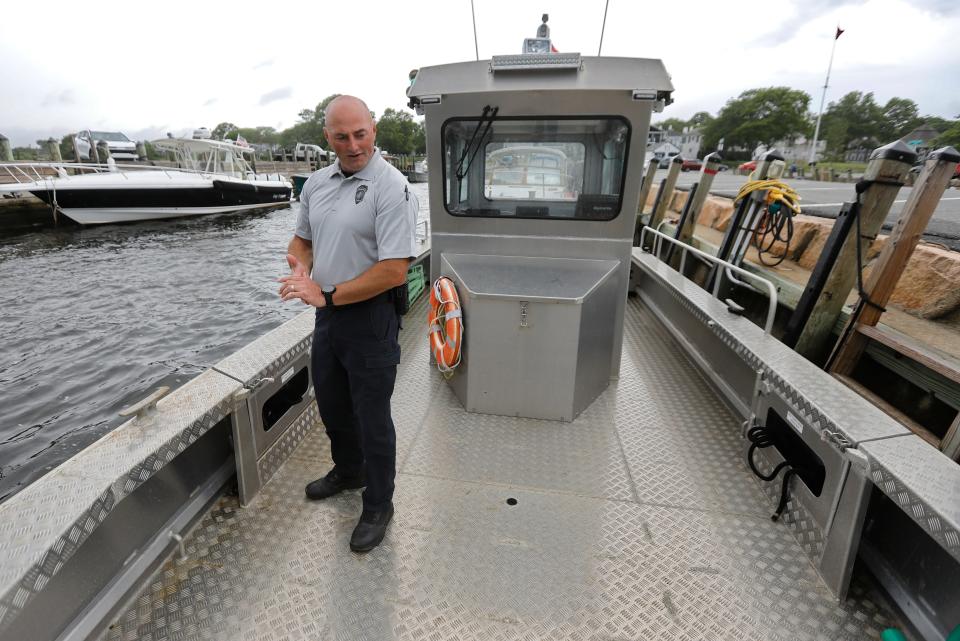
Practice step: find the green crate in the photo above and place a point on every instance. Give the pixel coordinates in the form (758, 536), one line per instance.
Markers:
(415, 283)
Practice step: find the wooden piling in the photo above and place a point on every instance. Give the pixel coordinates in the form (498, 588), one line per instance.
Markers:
(76, 148)
(665, 193)
(647, 184)
(880, 283)
(885, 173)
(53, 149)
(711, 165)
(6, 153)
(103, 151)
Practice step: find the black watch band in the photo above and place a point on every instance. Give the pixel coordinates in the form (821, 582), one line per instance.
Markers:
(328, 291)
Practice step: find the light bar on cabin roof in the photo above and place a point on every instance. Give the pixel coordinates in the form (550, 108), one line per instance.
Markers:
(523, 61)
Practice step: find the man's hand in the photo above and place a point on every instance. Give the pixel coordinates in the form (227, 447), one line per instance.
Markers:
(299, 285)
(296, 267)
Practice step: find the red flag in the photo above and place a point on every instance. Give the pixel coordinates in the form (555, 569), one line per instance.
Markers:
(839, 31)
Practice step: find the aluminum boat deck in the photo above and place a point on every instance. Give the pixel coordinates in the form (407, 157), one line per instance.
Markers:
(638, 520)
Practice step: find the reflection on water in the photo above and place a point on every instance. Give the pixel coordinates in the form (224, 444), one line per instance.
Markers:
(95, 318)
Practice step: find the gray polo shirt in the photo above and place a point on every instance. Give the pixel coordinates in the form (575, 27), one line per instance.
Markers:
(355, 222)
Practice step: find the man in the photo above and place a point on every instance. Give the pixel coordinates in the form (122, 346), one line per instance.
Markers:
(353, 243)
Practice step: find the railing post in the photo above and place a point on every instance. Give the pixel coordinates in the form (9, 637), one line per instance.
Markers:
(811, 325)
(665, 192)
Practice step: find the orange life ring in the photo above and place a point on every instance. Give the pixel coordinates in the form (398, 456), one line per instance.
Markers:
(445, 324)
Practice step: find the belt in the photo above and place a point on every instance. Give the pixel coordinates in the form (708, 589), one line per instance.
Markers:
(384, 297)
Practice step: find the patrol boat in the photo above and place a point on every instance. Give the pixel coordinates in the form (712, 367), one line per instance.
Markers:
(213, 177)
(582, 474)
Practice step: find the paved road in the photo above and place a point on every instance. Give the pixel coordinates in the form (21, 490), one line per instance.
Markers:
(824, 199)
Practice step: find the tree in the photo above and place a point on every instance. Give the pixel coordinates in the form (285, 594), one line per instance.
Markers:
(900, 117)
(938, 123)
(309, 128)
(759, 116)
(261, 135)
(25, 153)
(700, 120)
(949, 137)
(856, 115)
(223, 130)
(672, 124)
(399, 133)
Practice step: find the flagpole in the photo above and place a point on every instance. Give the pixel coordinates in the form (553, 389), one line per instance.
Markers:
(823, 97)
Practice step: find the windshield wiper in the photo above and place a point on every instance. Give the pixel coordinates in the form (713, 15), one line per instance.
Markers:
(488, 116)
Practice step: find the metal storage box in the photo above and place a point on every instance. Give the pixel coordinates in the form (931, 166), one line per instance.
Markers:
(544, 330)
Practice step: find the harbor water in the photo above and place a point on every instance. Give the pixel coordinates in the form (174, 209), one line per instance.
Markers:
(95, 318)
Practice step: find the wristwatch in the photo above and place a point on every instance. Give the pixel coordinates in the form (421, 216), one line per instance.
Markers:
(328, 291)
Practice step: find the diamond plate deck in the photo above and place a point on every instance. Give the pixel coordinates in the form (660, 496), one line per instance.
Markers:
(636, 521)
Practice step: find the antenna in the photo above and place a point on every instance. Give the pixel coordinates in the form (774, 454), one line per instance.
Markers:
(603, 28)
(476, 49)
(543, 31)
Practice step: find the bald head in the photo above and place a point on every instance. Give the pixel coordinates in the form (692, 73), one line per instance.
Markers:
(346, 106)
(350, 131)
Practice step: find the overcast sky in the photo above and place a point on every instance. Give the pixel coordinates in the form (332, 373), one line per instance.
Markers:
(149, 68)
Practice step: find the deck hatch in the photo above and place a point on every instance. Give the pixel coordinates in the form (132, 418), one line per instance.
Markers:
(806, 463)
(289, 395)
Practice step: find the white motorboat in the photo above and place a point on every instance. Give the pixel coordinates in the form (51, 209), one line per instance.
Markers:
(211, 177)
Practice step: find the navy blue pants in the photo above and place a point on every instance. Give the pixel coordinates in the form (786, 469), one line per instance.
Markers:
(355, 356)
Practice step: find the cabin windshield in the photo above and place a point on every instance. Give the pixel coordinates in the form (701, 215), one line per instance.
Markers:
(550, 167)
(109, 136)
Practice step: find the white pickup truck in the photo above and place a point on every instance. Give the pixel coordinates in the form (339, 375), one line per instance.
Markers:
(300, 152)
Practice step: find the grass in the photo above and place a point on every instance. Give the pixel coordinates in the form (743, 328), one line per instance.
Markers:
(856, 167)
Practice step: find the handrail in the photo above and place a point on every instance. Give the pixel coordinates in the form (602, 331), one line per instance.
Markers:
(771, 289)
(97, 168)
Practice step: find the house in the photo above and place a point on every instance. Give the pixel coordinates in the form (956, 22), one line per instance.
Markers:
(663, 149)
(859, 149)
(921, 139)
(794, 150)
(687, 141)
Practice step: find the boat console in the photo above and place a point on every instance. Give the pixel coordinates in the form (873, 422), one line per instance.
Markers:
(533, 206)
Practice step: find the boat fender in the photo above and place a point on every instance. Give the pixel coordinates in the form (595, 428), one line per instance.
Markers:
(445, 325)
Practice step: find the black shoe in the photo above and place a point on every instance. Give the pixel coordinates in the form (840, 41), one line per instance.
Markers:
(333, 483)
(370, 530)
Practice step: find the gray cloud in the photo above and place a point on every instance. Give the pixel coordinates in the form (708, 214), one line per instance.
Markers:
(277, 94)
(942, 7)
(805, 12)
(264, 63)
(209, 102)
(65, 97)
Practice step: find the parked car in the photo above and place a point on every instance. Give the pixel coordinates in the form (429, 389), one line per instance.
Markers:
(299, 152)
(121, 147)
(201, 133)
(750, 165)
(665, 161)
(692, 164)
